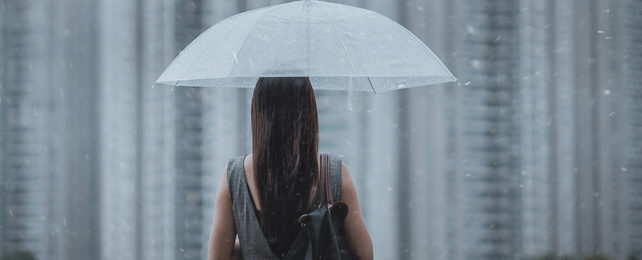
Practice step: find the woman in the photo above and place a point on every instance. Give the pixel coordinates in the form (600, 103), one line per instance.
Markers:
(262, 194)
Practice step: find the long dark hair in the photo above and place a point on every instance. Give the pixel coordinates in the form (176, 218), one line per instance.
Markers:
(285, 141)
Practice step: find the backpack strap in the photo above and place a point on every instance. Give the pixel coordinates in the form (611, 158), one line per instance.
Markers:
(323, 188)
(333, 174)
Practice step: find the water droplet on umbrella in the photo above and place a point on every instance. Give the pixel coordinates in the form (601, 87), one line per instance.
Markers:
(236, 60)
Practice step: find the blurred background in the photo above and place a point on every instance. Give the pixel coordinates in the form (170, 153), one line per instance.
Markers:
(536, 154)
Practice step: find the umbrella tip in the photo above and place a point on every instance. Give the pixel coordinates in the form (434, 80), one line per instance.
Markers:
(455, 80)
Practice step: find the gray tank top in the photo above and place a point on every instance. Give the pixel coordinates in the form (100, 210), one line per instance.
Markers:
(253, 244)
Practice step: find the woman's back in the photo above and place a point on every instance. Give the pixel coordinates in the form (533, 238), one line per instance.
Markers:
(245, 206)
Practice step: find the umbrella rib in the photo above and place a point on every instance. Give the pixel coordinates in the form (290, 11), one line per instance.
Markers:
(343, 44)
(250, 31)
(372, 86)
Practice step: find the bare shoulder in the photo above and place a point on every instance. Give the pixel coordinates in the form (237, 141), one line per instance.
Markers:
(356, 231)
(348, 191)
(346, 179)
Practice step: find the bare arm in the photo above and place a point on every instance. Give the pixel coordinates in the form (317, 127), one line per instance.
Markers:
(223, 234)
(356, 232)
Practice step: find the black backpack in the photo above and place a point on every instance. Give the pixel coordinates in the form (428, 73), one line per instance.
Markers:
(322, 235)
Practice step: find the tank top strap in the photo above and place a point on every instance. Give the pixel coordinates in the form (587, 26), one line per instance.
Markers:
(235, 180)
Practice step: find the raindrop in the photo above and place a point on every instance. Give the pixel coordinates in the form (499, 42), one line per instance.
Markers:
(612, 113)
(467, 83)
(420, 8)
(476, 64)
(470, 29)
(607, 92)
(389, 189)
(521, 185)
(623, 169)
(597, 194)
(600, 32)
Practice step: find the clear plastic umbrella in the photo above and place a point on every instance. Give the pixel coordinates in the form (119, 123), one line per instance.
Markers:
(339, 47)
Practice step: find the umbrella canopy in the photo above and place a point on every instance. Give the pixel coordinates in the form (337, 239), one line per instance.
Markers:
(339, 47)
